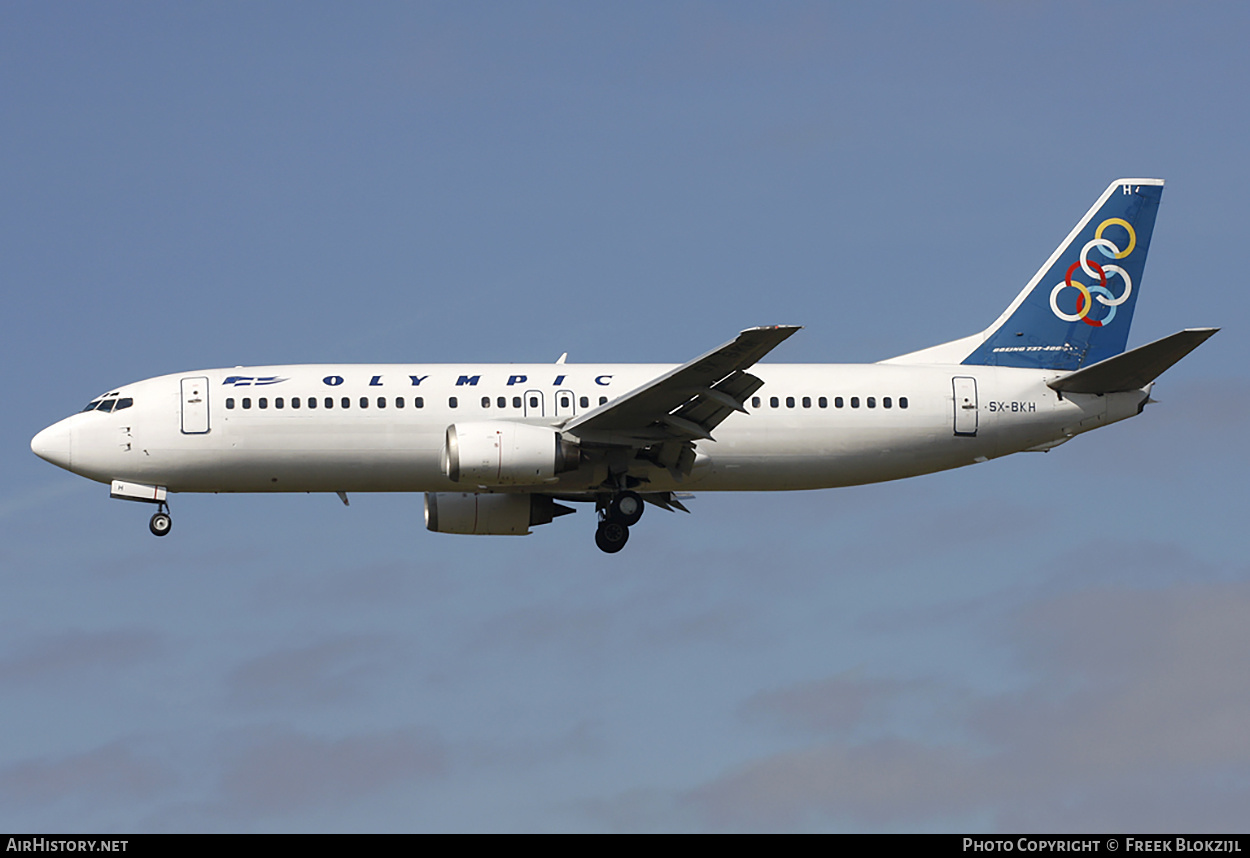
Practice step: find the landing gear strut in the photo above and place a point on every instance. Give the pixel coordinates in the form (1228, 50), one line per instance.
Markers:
(161, 522)
(616, 516)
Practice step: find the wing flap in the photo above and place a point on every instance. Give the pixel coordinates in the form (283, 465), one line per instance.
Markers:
(686, 402)
(708, 408)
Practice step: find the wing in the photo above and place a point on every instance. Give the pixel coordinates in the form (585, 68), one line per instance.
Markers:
(668, 414)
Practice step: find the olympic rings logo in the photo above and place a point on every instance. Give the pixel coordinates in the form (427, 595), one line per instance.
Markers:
(1088, 294)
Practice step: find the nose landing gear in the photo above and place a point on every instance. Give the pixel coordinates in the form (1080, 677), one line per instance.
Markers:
(160, 523)
(616, 516)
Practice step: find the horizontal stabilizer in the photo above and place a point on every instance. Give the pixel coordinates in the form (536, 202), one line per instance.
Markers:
(1134, 369)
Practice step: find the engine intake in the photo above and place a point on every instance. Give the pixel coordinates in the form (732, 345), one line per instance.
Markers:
(502, 453)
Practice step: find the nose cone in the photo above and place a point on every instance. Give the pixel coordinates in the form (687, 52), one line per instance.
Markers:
(54, 445)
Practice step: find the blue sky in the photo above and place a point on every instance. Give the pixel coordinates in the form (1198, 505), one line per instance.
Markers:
(1045, 643)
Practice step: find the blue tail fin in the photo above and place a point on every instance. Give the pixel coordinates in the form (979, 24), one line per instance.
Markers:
(1076, 310)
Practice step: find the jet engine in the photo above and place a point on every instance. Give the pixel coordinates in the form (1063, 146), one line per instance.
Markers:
(489, 514)
(502, 453)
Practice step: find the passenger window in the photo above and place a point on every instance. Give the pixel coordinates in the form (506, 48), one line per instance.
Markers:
(230, 403)
(807, 402)
(872, 402)
(887, 402)
(855, 402)
(516, 402)
(902, 402)
(585, 402)
(399, 402)
(603, 400)
(418, 402)
(346, 402)
(312, 402)
(533, 402)
(279, 403)
(381, 402)
(247, 403)
(452, 402)
(774, 402)
(263, 402)
(329, 402)
(486, 402)
(295, 402)
(755, 402)
(502, 402)
(789, 402)
(564, 402)
(364, 402)
(838, 402)
(823, 402)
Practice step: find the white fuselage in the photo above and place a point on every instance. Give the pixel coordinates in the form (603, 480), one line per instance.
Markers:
(238, 430)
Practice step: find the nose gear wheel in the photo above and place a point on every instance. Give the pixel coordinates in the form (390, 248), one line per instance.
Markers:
(160, 524)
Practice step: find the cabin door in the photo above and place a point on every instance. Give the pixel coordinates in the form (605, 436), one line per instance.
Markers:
(965, 406)
(194, 406)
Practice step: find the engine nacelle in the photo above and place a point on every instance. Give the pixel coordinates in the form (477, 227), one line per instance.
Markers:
(502, 453)
(489, 514)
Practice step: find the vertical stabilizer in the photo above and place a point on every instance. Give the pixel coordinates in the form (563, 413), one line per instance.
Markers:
(1077, 309)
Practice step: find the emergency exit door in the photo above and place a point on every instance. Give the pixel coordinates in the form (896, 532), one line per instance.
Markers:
(566, 403)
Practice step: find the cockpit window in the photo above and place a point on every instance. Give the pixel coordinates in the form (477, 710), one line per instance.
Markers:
(107, 405)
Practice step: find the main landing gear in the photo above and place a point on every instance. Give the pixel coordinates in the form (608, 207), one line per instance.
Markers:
(161, 522)
(616, 516)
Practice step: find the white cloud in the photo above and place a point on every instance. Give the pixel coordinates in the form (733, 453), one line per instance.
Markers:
(1132, 717)
(109, 775)
(321, 672)
(276, 771)
(57, 655)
